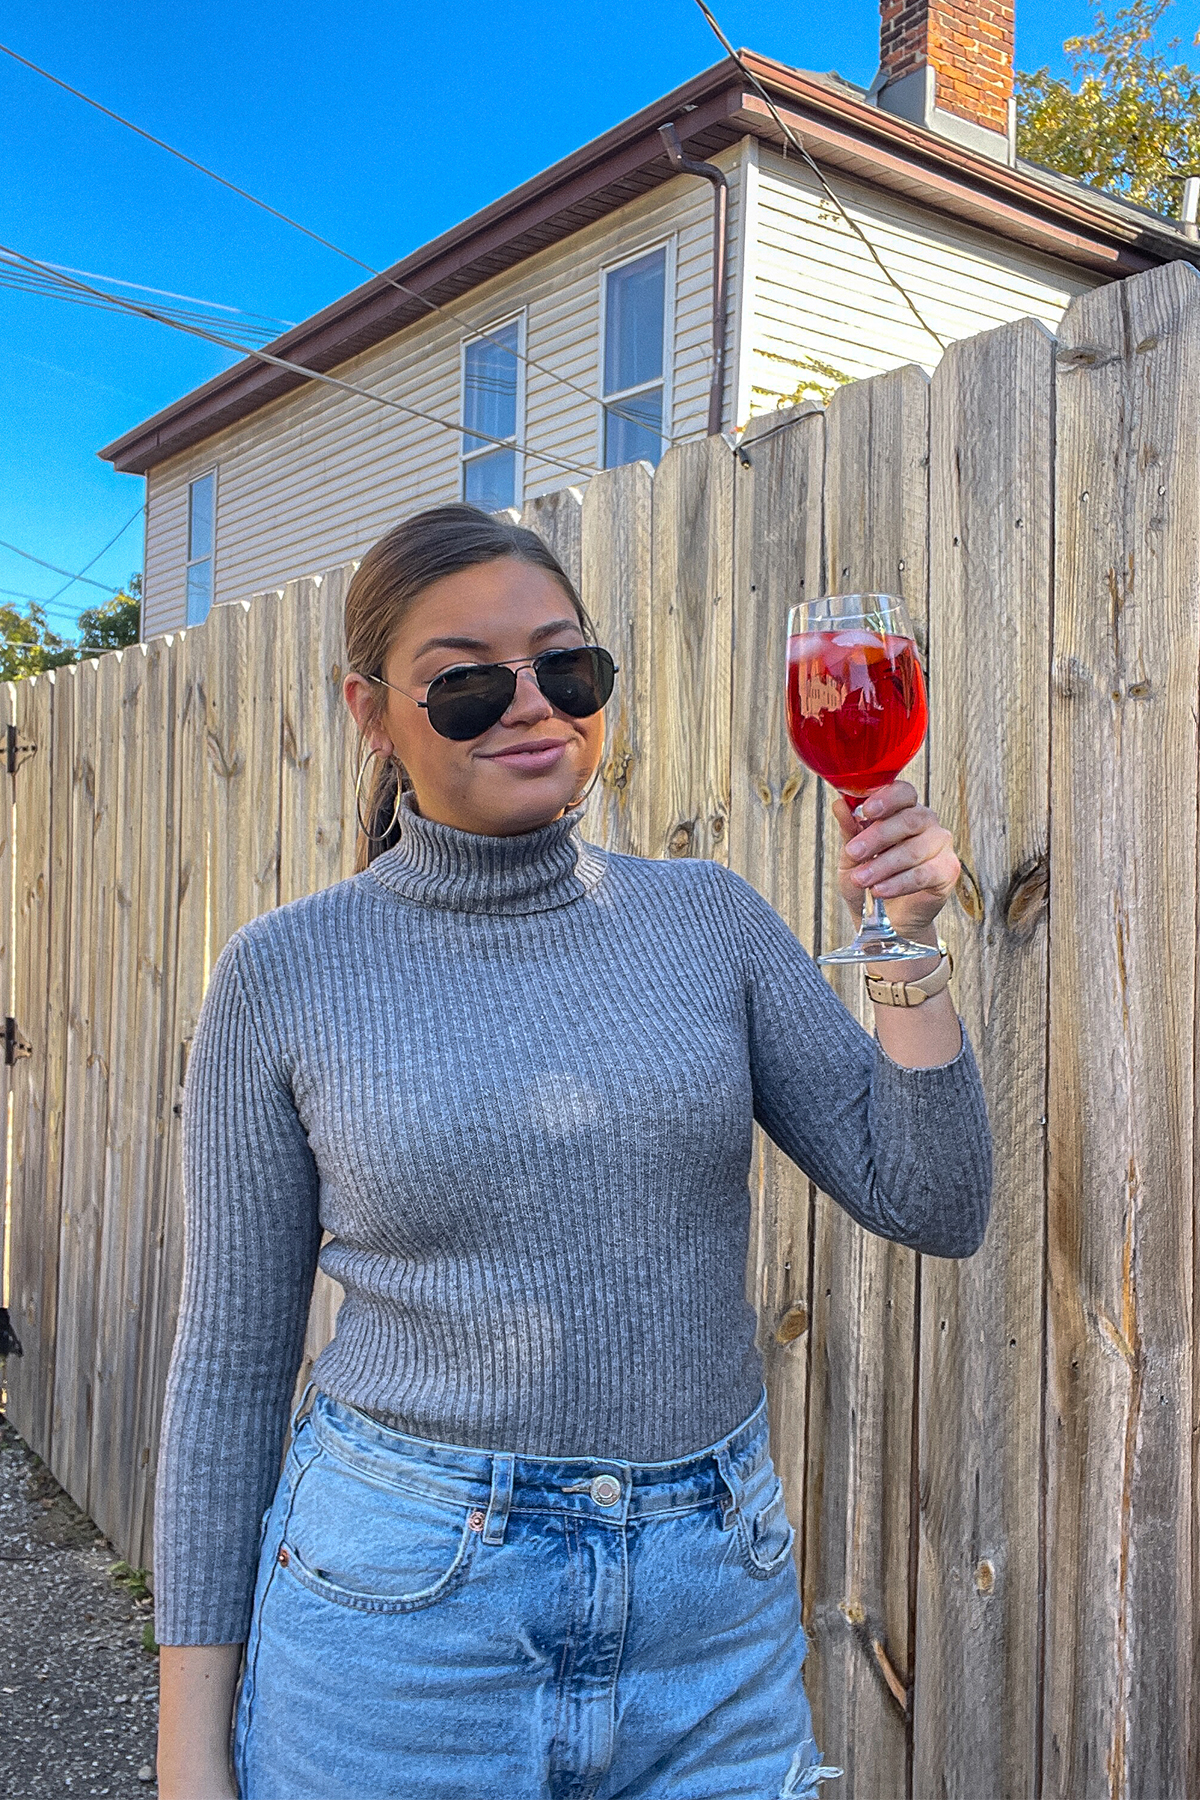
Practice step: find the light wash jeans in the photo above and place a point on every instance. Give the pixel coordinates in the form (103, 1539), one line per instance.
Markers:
(437, 1623)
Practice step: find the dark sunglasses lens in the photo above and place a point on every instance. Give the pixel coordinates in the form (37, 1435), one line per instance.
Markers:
(464, 703)
(578, 682)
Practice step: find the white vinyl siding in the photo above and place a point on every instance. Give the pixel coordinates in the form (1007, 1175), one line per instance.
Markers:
(317, 476)
(821, 311)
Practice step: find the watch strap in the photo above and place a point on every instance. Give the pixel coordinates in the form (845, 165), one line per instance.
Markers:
(912, 993)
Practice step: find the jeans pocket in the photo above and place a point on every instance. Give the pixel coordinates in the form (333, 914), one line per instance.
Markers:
(375, 1547)
(765, 1532)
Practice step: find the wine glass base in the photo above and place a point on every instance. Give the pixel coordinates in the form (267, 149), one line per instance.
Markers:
(878, 948)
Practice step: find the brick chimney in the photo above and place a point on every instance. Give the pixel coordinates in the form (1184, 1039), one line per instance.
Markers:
(948, 65)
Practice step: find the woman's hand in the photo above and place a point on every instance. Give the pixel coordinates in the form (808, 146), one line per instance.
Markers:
(900, 851)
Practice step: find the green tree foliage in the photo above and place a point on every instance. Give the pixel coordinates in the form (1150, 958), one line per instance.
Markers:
(1131, 125)
(28, 645)
(114, 623)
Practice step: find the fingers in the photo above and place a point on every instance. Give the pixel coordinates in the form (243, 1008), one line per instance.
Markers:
(895, 797)
(907, 859)
(894, 829)
(937, 877)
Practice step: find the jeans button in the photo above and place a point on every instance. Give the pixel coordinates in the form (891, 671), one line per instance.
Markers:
(605, 1490)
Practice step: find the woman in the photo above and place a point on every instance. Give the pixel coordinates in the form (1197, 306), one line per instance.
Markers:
(527, 1540)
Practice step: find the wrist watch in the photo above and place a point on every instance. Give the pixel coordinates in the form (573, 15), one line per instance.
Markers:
(912, 993)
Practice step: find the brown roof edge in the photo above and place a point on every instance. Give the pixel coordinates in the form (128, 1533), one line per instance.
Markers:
(840, 128)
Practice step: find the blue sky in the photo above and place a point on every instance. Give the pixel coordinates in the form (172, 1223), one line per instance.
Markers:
(377, 125)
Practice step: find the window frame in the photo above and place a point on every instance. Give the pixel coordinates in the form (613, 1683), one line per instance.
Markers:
(669, 245)
(191, 562)
(519, 317)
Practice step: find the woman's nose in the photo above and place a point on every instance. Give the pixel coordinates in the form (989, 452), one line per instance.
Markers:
(529, 702)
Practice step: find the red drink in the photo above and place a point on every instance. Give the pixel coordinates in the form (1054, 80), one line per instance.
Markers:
(856, 706)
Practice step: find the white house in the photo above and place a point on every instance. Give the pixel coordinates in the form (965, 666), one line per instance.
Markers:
(609, 304)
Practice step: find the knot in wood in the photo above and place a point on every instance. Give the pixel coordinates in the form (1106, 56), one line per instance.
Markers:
(1028, 897)
(792, 1325)
(967, 893)
(680, 841)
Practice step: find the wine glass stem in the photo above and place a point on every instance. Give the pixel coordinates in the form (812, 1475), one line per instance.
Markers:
(875, 922)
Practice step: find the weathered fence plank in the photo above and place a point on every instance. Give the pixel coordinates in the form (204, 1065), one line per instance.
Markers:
(187, 902)
(7, 717)
(154, 1061)
(558, 519)
(1120, 1607)
(110, 1482)
(857, 1577)
(774, 843)
(991, 529)
(615, 559)
(317, 820)
(34, 1220)
(82, 1180)
(690, 652)
(243, 729)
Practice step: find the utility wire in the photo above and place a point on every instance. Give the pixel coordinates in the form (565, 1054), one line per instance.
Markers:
(55, 568)
(28, 282)
(282, 362)
(244, 194)
(91, 565)
(798, 146)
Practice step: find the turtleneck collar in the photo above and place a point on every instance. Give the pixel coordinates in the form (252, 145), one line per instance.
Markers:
(464, 871)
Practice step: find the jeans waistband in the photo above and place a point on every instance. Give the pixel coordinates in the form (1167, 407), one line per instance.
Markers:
(499, 1483)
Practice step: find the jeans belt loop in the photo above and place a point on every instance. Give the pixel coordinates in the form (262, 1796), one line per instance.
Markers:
(500, 1501)
(732, 1483)
(299, 1407)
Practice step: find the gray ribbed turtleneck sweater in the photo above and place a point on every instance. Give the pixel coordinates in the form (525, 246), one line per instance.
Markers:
(515, 1079)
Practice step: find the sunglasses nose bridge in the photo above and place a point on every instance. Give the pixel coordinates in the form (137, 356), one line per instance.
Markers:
(526, 668)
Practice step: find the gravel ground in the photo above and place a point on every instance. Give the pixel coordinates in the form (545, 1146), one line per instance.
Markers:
(78, 1691)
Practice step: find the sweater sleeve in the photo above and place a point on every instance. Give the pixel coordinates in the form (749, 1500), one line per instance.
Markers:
(906, 1152)
(251, 1236)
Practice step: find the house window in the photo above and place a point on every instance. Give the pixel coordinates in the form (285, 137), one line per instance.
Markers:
(634, 359)
(202, 497)
(492, 400)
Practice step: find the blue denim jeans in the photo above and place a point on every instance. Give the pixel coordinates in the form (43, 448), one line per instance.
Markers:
(452, 1624)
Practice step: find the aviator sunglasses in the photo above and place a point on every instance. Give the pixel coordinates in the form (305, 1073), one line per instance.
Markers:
(465, 701)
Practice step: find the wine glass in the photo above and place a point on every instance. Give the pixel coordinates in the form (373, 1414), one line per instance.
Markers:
(856, 714)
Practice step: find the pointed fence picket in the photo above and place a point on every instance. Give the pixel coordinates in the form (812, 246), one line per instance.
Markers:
(989, 1463)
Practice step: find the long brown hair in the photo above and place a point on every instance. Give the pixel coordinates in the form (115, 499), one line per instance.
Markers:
(423, 549)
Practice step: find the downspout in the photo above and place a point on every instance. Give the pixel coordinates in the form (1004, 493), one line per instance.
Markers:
(687, 165)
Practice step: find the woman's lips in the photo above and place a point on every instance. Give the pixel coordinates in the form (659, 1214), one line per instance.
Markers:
(532, 759)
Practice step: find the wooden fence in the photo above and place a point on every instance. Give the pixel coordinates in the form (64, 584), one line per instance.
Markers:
(990, 1464)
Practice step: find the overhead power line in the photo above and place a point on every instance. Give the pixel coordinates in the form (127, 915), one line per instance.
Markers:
(432, 306)
(294, 368)
(90, 565)
(806, 156)
(54, 568)
(31, 282)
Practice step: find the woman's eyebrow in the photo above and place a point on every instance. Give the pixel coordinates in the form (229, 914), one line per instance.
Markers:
(469, 643)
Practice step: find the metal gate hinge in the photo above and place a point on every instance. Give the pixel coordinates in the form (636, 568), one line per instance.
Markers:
(14, 753)
(14, 1044)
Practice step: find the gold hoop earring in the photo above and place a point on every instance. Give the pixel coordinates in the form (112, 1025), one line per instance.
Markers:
(374, 837)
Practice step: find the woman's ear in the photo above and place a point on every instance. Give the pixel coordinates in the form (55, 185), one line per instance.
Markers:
(360, 697)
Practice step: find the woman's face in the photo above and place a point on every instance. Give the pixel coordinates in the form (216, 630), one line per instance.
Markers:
(528, 767)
